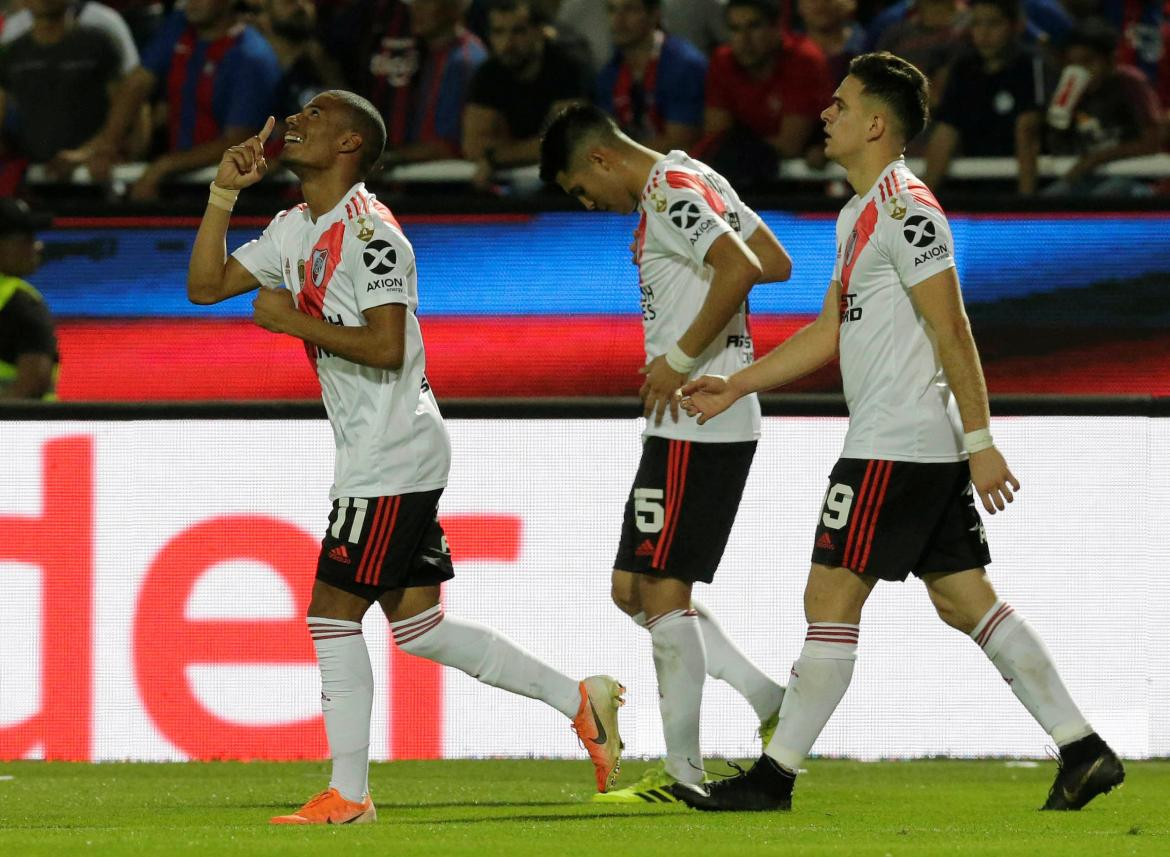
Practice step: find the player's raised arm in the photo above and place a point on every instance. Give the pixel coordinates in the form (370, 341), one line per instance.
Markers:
(212, 275)
(940, 303)
(805, 351)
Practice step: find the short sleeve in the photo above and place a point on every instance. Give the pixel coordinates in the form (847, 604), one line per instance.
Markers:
(749, 222)
(920, 245)
(382, 266)
(114, 26)
(261, 256)
(681, 89)
(156, 56)
(693, 215)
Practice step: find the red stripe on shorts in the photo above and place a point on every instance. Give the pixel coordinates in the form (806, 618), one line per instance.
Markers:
(854, 522)
(381, 512)
(676, 482)
(384, 547)
(877, 508)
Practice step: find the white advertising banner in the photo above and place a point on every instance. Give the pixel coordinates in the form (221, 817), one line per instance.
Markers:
(155, 576)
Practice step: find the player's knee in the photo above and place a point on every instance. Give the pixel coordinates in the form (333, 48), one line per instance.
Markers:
(833, 595)
(953, 613)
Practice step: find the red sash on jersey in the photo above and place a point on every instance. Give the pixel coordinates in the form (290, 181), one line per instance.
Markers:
(623, 102)
(182, 59)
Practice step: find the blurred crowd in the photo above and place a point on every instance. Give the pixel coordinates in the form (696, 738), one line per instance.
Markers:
(87, 85)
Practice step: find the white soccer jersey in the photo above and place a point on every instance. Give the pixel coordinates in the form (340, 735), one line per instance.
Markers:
(386, 424)
(900, 405)
(685, 206)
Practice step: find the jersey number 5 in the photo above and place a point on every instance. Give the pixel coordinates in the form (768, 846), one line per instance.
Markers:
(648, 512)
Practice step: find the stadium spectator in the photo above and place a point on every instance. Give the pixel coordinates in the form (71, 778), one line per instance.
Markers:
(994, 100)
(653, 84)
(1047, 21)
(1144, 31)
(217, 79)
(1116, 117)
(368, 39)
(703, 23)
(290, 26)
(526, 79)
(87, 14)
(832, 26)
(587, 20)
(765, 92)
(28, 343)
(55, 82)
(420, 86)
(930, 36)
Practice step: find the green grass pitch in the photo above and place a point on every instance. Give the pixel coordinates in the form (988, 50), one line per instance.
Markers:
(522, 807)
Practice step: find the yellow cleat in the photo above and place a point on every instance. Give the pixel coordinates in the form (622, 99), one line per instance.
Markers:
(654, 787)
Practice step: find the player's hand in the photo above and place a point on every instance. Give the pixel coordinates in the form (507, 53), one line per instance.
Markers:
(271, 308)
(661, 389)
(708, 396)
(993, 482)
(243, 164)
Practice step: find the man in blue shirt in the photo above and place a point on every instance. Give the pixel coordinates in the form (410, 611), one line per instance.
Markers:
(653, 85)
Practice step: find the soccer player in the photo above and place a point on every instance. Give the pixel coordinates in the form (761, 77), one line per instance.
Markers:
(900, 497)
(699, 251)
(351, 297)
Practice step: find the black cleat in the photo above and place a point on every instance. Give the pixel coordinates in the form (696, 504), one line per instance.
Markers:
(766, 786)
(1086, 768)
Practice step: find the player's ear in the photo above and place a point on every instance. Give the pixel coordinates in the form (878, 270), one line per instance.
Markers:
(598, 159)
(877, 127)
(351, 142)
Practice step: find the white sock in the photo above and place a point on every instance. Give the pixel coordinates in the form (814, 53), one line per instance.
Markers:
(820, 677)
(681, 666)
(347, 695)
(726, 661)
(487, 655)
(1025, 663)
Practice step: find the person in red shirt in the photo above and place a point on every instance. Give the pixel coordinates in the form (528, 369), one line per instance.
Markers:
(765, 88)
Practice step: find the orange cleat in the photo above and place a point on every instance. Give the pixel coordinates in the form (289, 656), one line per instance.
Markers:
(597, 727)
(330, 807)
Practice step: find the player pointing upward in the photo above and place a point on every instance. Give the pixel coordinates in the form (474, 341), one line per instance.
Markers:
(351, 297)
(900, 497)
(699, 251)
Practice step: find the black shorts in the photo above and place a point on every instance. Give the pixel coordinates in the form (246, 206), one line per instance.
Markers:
(681, 508)
(888, 519)
(375, 544)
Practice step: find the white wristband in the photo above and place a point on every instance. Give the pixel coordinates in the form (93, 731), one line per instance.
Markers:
(222, 197)
(978, 440)
(680, 361)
